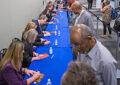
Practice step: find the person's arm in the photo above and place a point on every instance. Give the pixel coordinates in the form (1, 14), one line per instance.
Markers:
(33, 78)
(36, 58)
(46, 33)
(55, 18)
(31, 72)
(11, 76)
(28, 72)
(109, 74)
(102, 9)
(26, 55)
(40, 35)
(38, 43)
(47, 42)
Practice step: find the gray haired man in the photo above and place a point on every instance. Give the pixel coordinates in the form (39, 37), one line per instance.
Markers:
(93, 53)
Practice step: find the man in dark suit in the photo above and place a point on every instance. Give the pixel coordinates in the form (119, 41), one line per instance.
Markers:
(42, 20)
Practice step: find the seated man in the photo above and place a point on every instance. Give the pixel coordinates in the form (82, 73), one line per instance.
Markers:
(79, 73)
(42, 20)
(93, 53)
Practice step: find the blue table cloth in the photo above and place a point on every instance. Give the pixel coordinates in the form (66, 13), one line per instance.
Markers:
(57, 63)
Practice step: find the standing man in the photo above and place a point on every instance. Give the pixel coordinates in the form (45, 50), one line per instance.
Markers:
(83, 17)
(90, 4)
(93, 53)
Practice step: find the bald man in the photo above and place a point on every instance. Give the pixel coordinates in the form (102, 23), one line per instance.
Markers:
(93, 53)
(83, 17)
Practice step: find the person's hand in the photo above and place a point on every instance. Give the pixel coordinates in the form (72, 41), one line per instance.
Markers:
(101, 6)
(36, 75)
(55, 15)
(51, 23)
(29, 72)
(44, 32)
(42, 40)
(40, 55)
(47, 34)
(47, 42)
(55, 19)
(35, 54)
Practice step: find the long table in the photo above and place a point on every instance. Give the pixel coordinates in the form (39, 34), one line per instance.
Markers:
(57, 63)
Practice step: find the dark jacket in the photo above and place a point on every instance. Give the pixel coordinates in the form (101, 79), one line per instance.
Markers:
(36, 43)
(28, 54)
(9, 76)
(38, 29)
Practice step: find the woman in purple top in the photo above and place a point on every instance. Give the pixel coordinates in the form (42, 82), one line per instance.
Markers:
(10, 66)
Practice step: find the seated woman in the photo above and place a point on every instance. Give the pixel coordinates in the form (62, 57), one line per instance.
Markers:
(49, 14)
(29, 38)
(79, 73)
(59, 2)
(38, 41)
(10, 66)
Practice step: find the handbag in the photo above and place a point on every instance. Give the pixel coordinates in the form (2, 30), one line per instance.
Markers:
(107, 15)
(116, 26)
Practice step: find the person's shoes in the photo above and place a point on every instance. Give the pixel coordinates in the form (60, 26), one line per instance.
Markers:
(110, 36)
(103, 36)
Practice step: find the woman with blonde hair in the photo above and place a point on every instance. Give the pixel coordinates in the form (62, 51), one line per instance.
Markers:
(38, 41)
(10, 66)
(106, 10)
(30, 25)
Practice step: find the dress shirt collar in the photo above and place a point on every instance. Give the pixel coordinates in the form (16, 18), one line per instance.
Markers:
(92, 53)
(39, 23)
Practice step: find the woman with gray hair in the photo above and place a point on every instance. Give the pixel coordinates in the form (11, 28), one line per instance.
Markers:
(29, 39)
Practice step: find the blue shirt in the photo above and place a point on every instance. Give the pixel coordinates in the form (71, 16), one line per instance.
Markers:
(103, 63)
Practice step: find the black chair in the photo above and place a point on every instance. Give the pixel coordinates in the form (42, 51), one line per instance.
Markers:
(118, 76)
(15, 39)
(2, 53)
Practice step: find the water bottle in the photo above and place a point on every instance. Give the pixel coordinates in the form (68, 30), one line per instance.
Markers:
(55, 32)
(58, 33)
(57, 22)
(49, 82)
(56, 27)
(56, 42)
(51, 50)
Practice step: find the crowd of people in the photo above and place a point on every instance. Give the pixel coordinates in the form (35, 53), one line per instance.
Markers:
(20, 53)
(94, 64)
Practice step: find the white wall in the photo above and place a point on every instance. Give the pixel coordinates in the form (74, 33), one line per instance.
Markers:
(14, 15)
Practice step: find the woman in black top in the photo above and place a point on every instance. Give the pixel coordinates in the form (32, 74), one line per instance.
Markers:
(38, 41)
(29, 38)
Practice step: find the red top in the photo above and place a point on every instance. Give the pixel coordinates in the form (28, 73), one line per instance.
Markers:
(69, 3)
